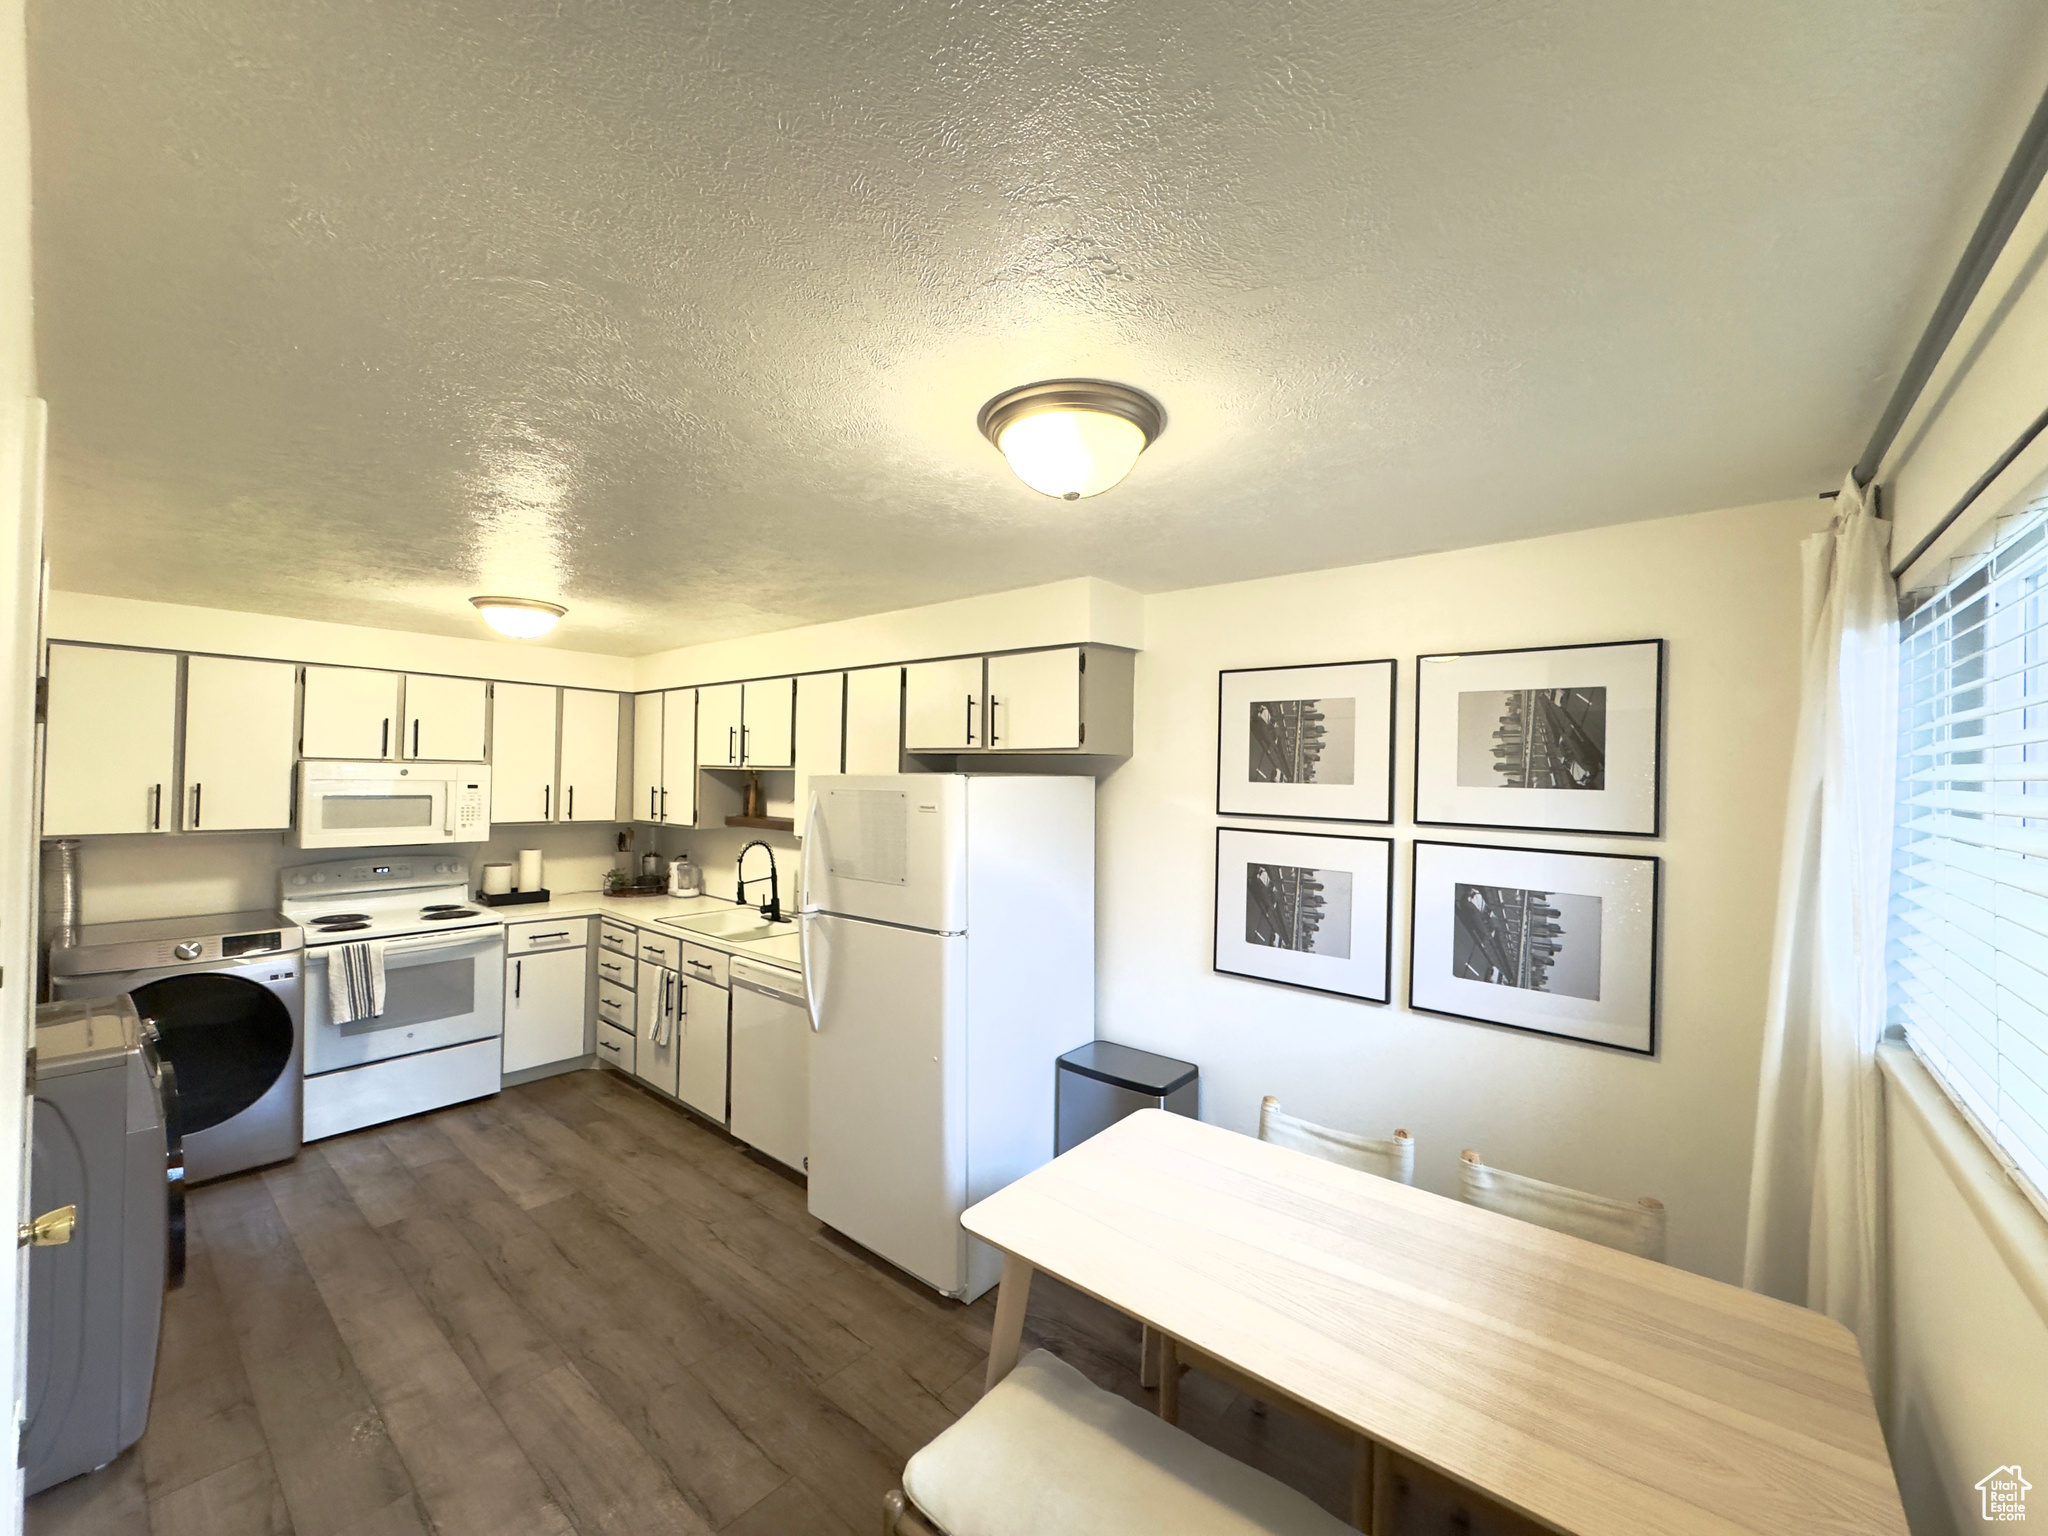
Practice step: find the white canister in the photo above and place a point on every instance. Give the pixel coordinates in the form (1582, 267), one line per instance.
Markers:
(497, 879)
(529, 869)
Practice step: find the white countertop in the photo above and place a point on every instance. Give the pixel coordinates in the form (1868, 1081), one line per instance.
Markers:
(648, 912)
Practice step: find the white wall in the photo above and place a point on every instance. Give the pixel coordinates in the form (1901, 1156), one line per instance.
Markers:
(123, 879)
(21, 544)
(1722, 588)
(1060, 613)
(177, 627)
(1969, 1342)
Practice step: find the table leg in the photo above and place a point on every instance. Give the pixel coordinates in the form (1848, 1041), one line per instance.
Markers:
(1361, 1486)
(1169, 1379)
(1148, 1358)
(1008, 1339)
(1382, 1490)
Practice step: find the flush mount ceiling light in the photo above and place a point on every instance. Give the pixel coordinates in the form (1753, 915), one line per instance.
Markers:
(523, 618)
(1072, 437)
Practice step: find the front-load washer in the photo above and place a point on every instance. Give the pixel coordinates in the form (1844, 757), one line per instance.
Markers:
(227, 995)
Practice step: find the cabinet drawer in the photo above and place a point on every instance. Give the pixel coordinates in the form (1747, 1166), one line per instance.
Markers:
(614, 1004)
(530, 938)
(701, 964)
(656, 950)
(616, 969)
(616, 937)
(614, 1046)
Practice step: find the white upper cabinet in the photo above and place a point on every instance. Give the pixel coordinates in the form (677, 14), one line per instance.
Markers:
(768, 723)
(647, 757)
(820, 734)
(111, 741)
(523, 753)
(350, 712)
(444, 719)
(874, 721)
(239, 741)
(677, 802)
(1034, 701)
(590, 756)
(718, 726)
(942, 706)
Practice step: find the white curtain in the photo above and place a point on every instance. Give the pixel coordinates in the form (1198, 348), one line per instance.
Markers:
(1814, 1197)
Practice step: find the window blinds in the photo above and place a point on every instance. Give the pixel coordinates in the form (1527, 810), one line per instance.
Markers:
(1969, 917)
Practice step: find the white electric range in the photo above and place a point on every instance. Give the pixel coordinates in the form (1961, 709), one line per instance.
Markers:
(437, 1041)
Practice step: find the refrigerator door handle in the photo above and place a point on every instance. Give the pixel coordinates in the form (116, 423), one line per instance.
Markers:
(806, 910)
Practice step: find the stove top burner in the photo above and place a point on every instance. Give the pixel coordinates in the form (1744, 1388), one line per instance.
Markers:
(339, 917)
(443, 914)
(445, 906)
(334, 927)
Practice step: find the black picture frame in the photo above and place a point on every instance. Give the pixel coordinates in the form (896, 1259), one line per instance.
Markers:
(1382, 991)
(1236, 808)
(1655, 745)
(1652, 959)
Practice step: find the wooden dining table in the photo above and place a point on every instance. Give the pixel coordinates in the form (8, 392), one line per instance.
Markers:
(1590, 1391)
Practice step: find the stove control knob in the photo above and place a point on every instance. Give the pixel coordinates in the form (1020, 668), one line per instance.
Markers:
(188, 950)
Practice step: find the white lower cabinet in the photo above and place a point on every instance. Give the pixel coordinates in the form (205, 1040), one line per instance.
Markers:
(658, 1028)
(544, 996)
(700, 1079)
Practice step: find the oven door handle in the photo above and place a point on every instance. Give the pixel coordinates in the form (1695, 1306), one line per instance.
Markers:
(398, 948)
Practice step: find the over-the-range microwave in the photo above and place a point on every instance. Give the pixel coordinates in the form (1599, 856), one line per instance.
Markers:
(391, 805)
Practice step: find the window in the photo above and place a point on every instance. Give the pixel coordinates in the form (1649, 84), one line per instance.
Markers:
(1969, 924)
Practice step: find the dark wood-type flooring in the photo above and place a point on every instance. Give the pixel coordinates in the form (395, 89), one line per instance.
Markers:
(569, 1308)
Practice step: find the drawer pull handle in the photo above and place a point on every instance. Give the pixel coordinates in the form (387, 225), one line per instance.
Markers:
(606, 1045)
(535, 938)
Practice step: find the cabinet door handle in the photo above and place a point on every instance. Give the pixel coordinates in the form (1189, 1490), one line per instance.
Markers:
(384, 741)
(664, 802)
(518, 976)
(744, 757)
(415, 736)
(732, 751)
(195, 804)
(156, 807)
(650, 802)
(970, 719)
(993, 701)
(572, 803)
(547, 812)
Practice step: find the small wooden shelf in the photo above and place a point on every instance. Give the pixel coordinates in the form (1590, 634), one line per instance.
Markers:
(764, 823)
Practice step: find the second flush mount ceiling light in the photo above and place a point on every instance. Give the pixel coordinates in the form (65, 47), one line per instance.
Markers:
(1072, 437)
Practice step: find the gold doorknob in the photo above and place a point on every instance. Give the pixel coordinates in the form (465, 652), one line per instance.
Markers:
(50, 1228)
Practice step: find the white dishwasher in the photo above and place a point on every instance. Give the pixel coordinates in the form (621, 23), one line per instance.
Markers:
(771, 1062)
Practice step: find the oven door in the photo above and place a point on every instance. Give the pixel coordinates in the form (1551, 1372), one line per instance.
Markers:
(342, 807)
(439, 989)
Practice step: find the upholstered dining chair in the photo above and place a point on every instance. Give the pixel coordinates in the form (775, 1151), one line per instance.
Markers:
(1632, 1226)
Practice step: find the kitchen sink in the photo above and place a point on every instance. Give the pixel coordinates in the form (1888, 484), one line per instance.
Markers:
(742, 925)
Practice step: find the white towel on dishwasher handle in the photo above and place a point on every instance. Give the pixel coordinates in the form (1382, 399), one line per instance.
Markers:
(355, 981)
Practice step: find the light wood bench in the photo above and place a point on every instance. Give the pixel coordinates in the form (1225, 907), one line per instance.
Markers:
(1047, 1453)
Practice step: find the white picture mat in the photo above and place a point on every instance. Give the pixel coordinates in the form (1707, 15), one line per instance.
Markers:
(1369, 796)
(1629, 673)
(1626, 888)
(1370, 861)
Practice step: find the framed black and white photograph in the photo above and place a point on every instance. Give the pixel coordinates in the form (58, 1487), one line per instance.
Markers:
(1560, 739)
(1307, 743)
(1529, 938)
(1306, 909)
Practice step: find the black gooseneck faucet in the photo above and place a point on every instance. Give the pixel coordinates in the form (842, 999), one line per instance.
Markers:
(772, 907)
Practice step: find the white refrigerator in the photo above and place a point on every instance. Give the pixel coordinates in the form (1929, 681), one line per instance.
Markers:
(949, 960)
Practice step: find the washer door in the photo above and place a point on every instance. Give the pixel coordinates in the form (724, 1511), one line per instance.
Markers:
(229, 1039)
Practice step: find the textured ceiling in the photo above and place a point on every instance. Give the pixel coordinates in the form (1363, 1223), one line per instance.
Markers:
(681, 313)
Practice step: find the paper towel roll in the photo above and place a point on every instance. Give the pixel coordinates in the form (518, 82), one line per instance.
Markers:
(529, 869)
(497, 879)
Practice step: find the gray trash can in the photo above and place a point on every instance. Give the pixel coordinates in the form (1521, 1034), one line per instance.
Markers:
(1101, 1082)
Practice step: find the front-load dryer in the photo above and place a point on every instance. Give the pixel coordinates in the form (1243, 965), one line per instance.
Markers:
(227, 994)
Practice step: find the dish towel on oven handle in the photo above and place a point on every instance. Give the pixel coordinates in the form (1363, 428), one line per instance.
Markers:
(355, 981)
